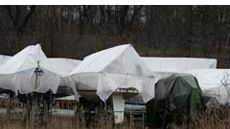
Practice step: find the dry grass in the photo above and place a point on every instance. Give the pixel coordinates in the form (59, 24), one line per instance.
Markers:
(215, 118)
(62, 122)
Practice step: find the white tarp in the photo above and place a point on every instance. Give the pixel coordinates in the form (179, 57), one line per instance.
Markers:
(17, 72)
(165, 66)
(63, 66)
(214, 83)
(117, 67)
(3, 59)
(60, 66)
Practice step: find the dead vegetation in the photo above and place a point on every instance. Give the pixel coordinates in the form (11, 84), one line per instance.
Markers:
(218, 118)
(57, 122)
(211, 118)
(214, 118)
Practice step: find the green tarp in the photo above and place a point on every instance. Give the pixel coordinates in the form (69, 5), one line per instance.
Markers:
(176, 96)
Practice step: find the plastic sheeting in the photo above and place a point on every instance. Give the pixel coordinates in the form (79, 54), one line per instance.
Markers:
(63, 66)
(18, 72)
(214, 83)
(166, 66)
(3, 59)
(117, 67)
(60, 66)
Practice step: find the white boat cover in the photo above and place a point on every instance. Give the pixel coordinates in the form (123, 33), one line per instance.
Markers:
(63, 66)
(60, 66)
(3, 59)
(166, 66)
(17, 72)
(214, 83)
(117, 67)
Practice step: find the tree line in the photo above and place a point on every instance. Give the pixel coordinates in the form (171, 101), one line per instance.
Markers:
(76, 31)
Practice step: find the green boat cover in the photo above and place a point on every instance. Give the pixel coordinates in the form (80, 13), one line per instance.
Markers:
(176, 97)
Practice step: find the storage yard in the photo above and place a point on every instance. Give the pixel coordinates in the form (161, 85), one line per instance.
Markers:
(114, 87)
(114, 67)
